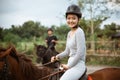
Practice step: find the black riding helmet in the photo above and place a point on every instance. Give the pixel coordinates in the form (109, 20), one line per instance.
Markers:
(74, 9)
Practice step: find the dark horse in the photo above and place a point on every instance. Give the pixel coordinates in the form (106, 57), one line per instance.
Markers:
(44, 54)
(14, 66)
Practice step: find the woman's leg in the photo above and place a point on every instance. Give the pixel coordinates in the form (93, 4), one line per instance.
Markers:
(74, 73)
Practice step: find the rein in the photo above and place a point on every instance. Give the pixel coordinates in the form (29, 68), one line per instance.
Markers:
(52, 74)
(47, 63)
(46, 52)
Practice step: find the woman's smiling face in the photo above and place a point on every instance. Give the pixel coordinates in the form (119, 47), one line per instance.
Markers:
(72, 20)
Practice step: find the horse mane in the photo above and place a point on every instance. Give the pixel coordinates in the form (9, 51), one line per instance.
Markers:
(26, 65)
(29, 69)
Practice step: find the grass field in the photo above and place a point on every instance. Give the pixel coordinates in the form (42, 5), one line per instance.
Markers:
(28, 48)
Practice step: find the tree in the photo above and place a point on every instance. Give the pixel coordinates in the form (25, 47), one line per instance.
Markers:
(109, 30)
(12, 38)
(1, 34)
(62, 31)
(94, 10)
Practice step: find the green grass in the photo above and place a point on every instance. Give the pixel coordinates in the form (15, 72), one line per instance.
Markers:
(29, 49)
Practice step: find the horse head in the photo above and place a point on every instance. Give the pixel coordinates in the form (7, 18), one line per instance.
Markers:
(7, 56)
(41, 50)
(10, 52)
(13, 65)
(44, 54)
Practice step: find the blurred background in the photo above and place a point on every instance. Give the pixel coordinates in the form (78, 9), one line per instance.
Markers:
(25, 22)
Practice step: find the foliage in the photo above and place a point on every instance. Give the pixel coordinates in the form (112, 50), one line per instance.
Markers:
(95, 9)
(32, 31)
(1, 34)
(62, 31)
(12, 38)
(26, 43)
(110, 29)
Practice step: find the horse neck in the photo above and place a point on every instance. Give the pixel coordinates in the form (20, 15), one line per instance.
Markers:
(47, 56)
(14, 69)
(106, 74)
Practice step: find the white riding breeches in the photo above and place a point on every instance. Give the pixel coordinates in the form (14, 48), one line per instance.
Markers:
(75, 72)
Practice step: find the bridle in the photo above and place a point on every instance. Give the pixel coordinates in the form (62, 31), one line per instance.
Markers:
(5, 72)
(46, 52)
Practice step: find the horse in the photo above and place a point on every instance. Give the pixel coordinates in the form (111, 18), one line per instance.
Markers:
(112, 73)
(16, 66)
(44, 54)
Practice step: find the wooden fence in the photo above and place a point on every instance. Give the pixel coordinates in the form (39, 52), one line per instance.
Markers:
(105, 47)
(101, 47)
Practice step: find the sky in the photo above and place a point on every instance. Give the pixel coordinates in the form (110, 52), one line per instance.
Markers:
(114, 18)
(47, 12)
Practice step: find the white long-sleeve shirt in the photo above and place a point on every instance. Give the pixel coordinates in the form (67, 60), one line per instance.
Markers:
(75, 47)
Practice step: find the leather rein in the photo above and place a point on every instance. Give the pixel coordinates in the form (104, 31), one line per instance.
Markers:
(51, 74)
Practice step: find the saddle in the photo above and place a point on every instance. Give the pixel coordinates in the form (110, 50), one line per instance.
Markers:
(84, 76)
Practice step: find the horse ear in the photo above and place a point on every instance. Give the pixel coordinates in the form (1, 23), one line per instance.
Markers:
(14, 50)
(9, 50)
(6, 52)
(14, 53)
